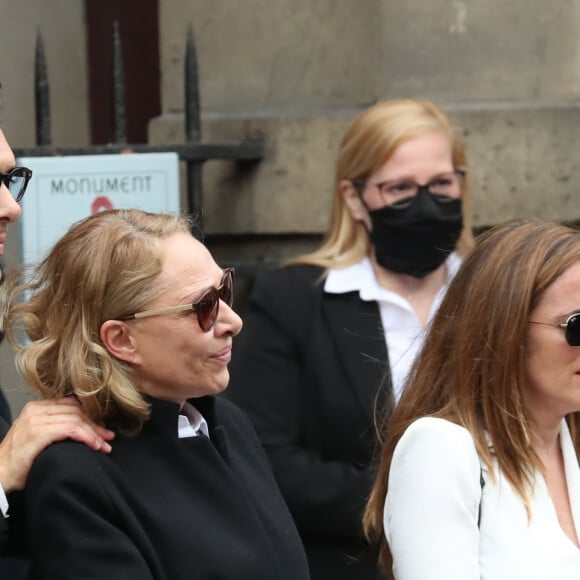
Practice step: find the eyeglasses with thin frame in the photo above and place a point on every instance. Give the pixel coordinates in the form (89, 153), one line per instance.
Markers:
(206, 308)
(16, 180)
(399, 193)
(571, 328)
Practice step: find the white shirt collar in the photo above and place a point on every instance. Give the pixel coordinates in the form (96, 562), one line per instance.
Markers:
(191, 423)
(361, 277)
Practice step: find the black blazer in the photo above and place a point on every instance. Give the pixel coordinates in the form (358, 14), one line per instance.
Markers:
(308, 367)
(163, 508)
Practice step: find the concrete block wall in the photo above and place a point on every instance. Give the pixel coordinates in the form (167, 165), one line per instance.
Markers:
(257, 56)
(468, 51)
(297, 73)
(62, 25)
(523, 164)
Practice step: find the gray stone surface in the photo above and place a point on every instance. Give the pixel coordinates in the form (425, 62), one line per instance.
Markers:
(525, 163)
(287, 192)
(479, 51)
(522, 164)
(259, 55)
(61, 23)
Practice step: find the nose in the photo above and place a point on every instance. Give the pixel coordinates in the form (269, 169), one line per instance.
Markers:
(10, 210)
(228, 321)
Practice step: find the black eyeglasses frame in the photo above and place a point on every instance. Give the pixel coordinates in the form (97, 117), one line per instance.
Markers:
(19, 172)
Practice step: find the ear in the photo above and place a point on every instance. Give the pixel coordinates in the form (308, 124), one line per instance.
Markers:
(353, 201)
(117, 338)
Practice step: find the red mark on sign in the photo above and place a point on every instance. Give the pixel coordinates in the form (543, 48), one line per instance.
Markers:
(101, 203)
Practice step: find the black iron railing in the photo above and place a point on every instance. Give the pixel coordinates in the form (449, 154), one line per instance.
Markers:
(194, 152)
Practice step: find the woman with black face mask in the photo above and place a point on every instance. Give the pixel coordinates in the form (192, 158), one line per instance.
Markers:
(321, 331)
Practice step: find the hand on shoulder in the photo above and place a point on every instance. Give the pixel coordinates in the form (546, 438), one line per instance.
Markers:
(40, 424)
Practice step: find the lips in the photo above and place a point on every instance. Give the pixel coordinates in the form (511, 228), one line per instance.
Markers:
(223, 355)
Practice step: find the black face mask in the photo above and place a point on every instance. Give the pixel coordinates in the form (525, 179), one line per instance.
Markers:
(417, 236)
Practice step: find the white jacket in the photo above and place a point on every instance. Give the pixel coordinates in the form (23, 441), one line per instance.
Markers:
(432, 506)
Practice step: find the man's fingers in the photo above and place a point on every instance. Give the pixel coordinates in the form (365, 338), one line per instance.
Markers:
(69, 420)
(105, 433)
(62, 408)
(47, 429)
(57, 428)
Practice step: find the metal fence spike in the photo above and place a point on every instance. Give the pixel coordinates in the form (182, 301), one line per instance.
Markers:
(193, 128)
(41, 94)
(119, 111)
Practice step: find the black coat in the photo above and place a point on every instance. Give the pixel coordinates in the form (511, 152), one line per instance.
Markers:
(12, 534)
(159, 507)
(307, 368)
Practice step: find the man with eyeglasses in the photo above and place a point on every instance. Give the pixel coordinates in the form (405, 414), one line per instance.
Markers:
(41, 422)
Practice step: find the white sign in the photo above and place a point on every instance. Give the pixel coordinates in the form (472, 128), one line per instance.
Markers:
(64, 190)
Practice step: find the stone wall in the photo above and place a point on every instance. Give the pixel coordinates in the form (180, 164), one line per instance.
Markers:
(296, 72)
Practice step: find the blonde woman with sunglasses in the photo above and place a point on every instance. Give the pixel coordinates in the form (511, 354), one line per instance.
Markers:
(130, 315)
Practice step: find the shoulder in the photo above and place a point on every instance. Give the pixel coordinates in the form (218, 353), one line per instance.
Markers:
(436, 443)
(288, 294)
(65, 460)
(65, 478)
(436, 432)
(292, 277)
(435, 466)
(433, 497)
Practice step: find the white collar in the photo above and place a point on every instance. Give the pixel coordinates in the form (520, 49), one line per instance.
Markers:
(361, 277)
(191, 422)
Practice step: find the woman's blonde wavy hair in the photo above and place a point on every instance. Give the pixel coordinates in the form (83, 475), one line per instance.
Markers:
(472, 368)
(368, 143)
(104, 268)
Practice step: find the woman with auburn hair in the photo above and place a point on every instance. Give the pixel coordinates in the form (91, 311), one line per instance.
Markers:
(130, 315)
(479, 474)
(319, 331)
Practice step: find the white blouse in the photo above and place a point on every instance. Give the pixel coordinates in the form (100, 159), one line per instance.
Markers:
(432, 507)
(403, 332)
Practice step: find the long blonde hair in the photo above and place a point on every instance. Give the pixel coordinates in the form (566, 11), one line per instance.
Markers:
(368, 143)
(472, 367)
(105, 267)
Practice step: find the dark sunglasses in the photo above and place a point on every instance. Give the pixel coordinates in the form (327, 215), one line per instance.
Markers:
(16, 180)
(207, 307)
(571, 328)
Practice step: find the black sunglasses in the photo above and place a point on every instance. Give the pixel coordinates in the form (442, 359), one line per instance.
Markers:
(207, 307)
(16, 180)
(571, 328)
